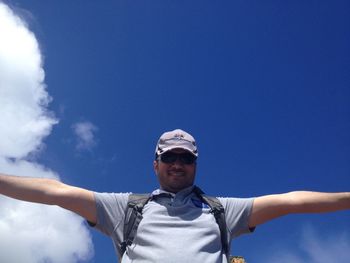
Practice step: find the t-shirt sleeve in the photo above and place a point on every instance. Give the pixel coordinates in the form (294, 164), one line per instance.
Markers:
(110, 211)
(237, 213)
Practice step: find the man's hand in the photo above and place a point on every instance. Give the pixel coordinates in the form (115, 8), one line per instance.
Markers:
(268, 207)
(50, 192)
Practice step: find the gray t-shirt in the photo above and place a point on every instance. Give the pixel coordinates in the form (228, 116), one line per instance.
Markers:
(175, 227)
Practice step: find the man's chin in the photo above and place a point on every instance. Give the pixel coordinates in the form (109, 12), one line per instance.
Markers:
(174, 188)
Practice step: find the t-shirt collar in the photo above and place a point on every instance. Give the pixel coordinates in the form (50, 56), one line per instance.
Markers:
(183, 192)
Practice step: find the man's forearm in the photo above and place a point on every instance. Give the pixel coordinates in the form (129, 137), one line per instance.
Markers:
(317, 202)
(28, 189)
(50, 192)
(266, 208)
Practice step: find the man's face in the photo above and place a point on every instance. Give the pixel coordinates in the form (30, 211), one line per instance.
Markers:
(175, 176)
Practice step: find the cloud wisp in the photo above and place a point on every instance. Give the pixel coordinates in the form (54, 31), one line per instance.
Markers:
(332, 247)
(85, 134)
(30, 233)
(315, 248)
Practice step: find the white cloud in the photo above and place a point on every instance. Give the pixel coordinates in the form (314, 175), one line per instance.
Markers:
(85, 135)
(25, 120)
(30, 233)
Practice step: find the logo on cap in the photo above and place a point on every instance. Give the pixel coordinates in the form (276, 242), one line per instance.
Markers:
(179, 136)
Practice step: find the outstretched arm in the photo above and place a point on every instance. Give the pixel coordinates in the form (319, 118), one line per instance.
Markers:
(266, 208)
(50, 192)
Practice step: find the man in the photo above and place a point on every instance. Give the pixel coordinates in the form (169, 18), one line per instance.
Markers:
(176, 226)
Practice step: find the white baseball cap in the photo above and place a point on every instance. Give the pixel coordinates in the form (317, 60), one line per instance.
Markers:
(176, 139)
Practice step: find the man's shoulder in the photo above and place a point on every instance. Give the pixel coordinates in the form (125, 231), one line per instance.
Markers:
(111, 198)
(236, 202)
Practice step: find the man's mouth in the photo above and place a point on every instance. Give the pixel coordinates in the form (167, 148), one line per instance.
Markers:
(176, 173)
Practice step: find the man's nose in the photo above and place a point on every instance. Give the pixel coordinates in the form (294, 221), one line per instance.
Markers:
(178, 163)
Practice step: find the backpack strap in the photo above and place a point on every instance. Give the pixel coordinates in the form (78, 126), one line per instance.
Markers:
(133, 216)
(218, 212)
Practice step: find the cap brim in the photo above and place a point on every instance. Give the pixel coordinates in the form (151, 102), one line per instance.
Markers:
(177, 147)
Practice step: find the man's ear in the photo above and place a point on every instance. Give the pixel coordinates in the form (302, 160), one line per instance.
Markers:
(155, 166)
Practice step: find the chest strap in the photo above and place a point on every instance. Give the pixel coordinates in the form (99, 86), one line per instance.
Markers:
(133, 217)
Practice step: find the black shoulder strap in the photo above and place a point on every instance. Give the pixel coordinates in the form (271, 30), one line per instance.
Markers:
(133, 216)
(219, 213)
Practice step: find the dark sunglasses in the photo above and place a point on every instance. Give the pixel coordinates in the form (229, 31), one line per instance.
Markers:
(170, 157)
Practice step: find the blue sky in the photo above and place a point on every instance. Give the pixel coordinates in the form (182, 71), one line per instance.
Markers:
(264, 87)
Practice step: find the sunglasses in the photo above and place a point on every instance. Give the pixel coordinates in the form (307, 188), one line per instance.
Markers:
(170, 157)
